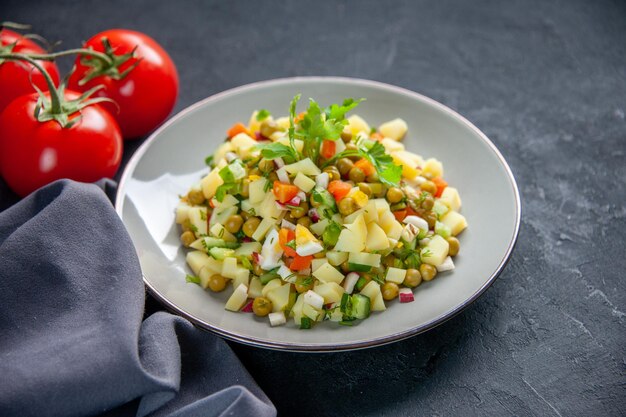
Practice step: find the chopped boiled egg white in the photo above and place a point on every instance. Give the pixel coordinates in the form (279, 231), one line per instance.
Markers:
(306, 243)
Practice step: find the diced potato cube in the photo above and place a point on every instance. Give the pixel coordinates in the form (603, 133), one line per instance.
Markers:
(268, 207)
(220, 215)
(197, 260)
(451, 198)
(242, 276)
(410, 169)
(382, 206)
(220, 232)
(257, 190)
(349, 242)
(455, 221)
(390, 225)
(395, 275)
(319, 227)
(273, 284)
(303, 182)
(364, 258)
(394, 129)
(436, 251)
(229, 268)
(229, 200)
(247, 249)
(317, 262)
(253, 124)
(237, 299)
(249, 207)
(376, 238)
(182, 212)
(331, 291)
(218, 155)
(265, 225)
(255, 288)
(304, 166)
(279, 297)
(336, 258)
(311, 312)
(356, 124)
(242, 144)
(434, 167)
(328, 273)
(282, 122)
(212, 267)
(198, 218)
(211, 182)
(392, 145)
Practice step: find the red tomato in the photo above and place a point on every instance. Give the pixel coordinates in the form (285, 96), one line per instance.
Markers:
(34, 153)
(284, 192)
(441, 185)
(339, 189)
(15, 77)
(146, 95)
(328, 148)
(301, 262)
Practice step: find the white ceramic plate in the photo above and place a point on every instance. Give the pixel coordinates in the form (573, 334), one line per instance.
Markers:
(172, 159)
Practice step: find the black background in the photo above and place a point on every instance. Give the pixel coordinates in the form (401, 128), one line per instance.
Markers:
(545, 80)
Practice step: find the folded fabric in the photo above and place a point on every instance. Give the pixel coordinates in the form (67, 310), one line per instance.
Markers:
(72, 340)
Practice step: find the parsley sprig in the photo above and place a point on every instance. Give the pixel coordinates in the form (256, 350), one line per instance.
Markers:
(388, 172)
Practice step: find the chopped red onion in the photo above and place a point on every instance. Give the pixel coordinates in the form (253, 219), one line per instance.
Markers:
(314, 215)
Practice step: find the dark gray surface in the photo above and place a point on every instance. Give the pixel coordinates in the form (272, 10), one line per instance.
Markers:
(546, 81)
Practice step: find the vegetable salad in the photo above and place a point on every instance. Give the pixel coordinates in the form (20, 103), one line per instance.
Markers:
(318, 216)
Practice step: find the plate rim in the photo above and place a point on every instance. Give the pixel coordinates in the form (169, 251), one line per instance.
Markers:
(326, 347)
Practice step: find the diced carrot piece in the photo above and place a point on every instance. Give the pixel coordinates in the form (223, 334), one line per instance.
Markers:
(441, 185)
(339, 189)
(236, 129)
(365, 166)
(377, 136)
(400, 214)
(285, 236)
(284, 192)
(329, 148)
(301, 262)
(299, 117)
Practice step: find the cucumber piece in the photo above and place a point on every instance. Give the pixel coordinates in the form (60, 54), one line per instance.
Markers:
(213, 242)
(305, 323)
(440, 209)
(268, 276)
(361, 306)
(359, 267)
(325, 198)
(345, 303)
(221, 253)
(355, 306)
(362, 282)
(442, 230)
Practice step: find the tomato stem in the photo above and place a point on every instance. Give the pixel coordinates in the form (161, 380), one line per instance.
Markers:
(55, 100)
(77, 51)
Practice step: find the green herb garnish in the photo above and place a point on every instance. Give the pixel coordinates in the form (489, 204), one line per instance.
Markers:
(262, 115)
(192, 279)
(278, 150)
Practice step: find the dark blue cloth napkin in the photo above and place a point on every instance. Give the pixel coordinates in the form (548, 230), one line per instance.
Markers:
(72, 340)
